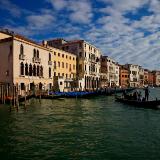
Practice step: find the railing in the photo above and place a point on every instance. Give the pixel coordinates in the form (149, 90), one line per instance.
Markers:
(54, 67)
(49, 62)
(21, 56)
(36, 60)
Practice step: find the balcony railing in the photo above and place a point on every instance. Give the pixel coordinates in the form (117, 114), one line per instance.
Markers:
(49, 62)
(21, 56)
(36, 60)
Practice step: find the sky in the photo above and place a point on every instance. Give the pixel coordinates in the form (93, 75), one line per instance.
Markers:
(126, 30)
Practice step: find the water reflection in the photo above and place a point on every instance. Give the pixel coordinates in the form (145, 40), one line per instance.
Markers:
(96, 128)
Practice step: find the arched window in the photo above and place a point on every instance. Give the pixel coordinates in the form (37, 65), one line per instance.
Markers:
(34, 53)
(37, 70)
(49, 56)
(34, 70)
(26, 69)
(30, 70)
(37, 53)
(22, 69)
(50, 73)
(41, 71)
(21, 50)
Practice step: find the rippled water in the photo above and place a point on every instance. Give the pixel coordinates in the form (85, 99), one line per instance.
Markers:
(76, 129)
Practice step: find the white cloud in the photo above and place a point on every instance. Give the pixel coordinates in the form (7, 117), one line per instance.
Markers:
(40, 21)
(10, 7)
(58, 4)
(81, 11)
(126, 5)
(77, 11)
(125, 39)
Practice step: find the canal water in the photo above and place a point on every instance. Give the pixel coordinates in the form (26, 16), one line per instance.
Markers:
(80, 129)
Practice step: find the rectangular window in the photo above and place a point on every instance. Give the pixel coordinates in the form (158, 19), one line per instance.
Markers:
(73, 67)
(80, 54)
(80, 45)
(62, 64)
(58, 64)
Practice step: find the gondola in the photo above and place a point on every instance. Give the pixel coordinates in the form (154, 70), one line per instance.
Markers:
(154, 104)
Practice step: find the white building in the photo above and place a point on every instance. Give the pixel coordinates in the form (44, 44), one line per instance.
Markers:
(141, 76)
(117, 74)
(134, 74)
(88, 61)
(112, 72)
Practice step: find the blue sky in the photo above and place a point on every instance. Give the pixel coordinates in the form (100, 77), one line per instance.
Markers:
(126, 30)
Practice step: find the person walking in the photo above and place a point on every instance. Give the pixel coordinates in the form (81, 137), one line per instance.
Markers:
(146, 93)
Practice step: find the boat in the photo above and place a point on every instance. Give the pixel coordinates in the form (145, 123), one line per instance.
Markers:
(153, 104)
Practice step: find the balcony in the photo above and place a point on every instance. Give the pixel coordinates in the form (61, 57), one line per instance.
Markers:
(92, 73)
(49, 62)
(54, 68)
(36, 60)
(21, 57)
(68, 80)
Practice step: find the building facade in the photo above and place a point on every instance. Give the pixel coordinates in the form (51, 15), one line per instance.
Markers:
(134, 74)
(88, 61)
(104, 73)
(145, 77)
(156, 78)
(124, 77)
(25, 63)
(141, 77)
(150, 78)
(64, 69)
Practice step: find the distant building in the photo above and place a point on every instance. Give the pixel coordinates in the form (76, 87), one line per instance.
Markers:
(88, 61)
(146, 77)
(150, 78)
(24, 63)
(117, 74)
(104, 81)
(134, 74)
(156, 78)
(141, 76)
(124, 76)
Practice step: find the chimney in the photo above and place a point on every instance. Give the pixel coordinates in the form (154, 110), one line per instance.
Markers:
(44, 43)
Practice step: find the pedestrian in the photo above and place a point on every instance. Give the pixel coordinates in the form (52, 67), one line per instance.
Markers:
(146, 93)
(139, 96)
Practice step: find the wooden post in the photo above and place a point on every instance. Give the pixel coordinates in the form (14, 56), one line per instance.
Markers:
(0, 93)
(10, 94)
(25, 100)
(4, 94)
(40, 97)
(14, 96)
(17, 99)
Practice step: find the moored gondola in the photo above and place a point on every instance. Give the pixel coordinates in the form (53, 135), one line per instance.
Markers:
(154, 104)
